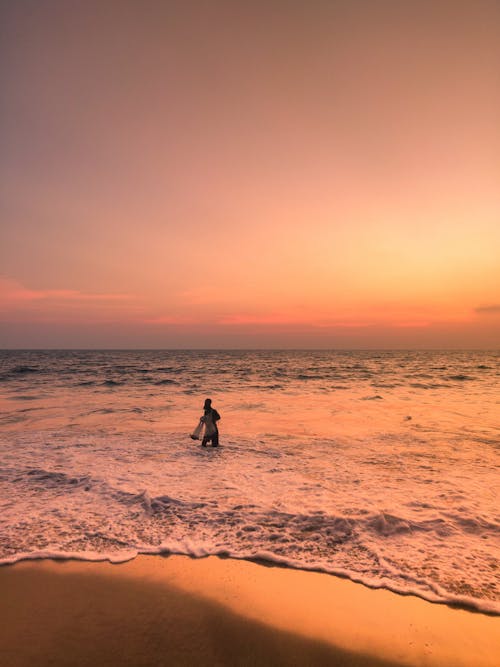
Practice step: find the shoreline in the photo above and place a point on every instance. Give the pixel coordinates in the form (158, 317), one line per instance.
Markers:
(491, 608)
(156, 610)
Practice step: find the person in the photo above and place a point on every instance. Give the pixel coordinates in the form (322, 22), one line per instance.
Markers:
(210, 419)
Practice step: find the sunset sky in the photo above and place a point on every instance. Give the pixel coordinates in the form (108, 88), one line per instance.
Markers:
(275, 173)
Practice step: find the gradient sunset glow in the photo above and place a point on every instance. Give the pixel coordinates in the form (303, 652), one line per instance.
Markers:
(265, 174)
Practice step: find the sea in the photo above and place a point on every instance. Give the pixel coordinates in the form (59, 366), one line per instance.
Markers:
(378, 466)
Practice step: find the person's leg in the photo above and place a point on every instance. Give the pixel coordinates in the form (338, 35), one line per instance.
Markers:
(205, 440)
(215, 439)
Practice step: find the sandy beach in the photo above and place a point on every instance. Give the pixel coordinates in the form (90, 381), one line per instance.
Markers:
(249, 333)
(180, 611)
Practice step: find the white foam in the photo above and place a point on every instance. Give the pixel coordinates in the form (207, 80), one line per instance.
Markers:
(188, 548)
(307, 476)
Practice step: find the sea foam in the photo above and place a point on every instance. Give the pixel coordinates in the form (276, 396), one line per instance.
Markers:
(396, 493)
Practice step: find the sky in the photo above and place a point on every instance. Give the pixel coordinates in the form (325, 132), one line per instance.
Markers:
(278, 174)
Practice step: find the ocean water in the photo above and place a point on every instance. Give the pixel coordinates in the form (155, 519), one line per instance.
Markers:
(377, 466)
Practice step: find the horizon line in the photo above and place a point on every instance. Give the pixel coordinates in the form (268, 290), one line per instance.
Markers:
(247, 349)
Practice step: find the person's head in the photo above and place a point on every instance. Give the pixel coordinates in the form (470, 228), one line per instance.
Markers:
(208, 404)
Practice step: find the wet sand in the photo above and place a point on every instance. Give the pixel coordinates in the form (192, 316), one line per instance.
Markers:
(178, 611)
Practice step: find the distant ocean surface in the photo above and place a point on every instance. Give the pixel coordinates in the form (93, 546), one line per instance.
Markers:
(377, 466)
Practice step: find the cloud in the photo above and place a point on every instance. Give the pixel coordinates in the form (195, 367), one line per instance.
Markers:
(170, 319)
(314, 321)
(19, 303)
(493, 308)
(13, 293)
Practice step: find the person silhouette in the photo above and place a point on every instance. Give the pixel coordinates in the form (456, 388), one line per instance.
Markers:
(210, 419)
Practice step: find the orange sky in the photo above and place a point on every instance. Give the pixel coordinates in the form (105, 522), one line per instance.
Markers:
(261, 174)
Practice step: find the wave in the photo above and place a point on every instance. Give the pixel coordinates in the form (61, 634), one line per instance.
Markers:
(431, 385)
(27, 397)
(97, 518)
(251, 370)
(189, 548)
(21, 370)
(17, 372)
(51, 479)
(352, 546)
